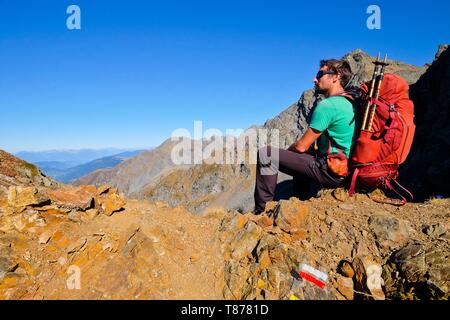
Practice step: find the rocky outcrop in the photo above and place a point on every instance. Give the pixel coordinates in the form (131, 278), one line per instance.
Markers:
(419, 271)
(351, 244)
(427, 169)
(17, 172)
(74, 199)
(389, 231)
(204, 186)
(20, 197)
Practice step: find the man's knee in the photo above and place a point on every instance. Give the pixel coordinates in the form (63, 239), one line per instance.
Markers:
(268, 161)
(264, 155)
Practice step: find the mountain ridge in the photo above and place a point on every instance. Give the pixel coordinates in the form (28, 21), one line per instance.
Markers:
(67, 174)
(78, 156)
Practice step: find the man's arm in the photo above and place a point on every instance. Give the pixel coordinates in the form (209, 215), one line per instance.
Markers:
(303, 144)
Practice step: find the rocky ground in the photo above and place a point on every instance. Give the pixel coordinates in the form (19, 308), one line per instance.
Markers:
(133, 250)
(91, 243)
(348, 239)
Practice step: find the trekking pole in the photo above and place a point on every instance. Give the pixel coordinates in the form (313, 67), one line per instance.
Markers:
(371, 88)
(377, 92)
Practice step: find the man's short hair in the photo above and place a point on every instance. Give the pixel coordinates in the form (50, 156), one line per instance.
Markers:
(341, 67)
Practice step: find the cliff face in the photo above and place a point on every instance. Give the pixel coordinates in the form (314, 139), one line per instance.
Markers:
(427, 169)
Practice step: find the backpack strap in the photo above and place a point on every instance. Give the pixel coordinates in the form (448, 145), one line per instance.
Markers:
(331, 144)
(380, 103)
(351, 191)
(411, 197)
(395, 202)
(352, 94)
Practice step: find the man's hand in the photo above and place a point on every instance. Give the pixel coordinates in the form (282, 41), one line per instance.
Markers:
(303, 144)
(293, 148)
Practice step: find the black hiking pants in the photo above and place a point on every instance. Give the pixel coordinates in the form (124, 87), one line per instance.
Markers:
(304, 168)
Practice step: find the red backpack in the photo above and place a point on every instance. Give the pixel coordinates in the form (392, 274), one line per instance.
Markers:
(379, 152)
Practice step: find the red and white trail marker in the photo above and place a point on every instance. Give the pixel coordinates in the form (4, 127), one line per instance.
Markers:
(313, 275)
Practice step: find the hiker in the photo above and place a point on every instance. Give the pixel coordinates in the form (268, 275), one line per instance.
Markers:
(331, 130)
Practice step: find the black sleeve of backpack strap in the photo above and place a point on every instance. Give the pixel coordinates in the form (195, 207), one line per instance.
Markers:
(353, 94)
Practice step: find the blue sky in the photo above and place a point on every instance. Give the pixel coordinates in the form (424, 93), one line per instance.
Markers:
(137, 70)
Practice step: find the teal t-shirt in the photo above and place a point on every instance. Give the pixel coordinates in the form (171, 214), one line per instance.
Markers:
(334, 117)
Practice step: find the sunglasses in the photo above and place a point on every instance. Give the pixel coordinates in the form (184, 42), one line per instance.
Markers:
(321, 73)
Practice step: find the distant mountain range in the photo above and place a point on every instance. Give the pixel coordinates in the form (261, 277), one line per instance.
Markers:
(68, 165)
(71, 157)
(135, 173)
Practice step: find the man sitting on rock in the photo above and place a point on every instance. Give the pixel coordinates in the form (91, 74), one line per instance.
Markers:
(332, 125)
